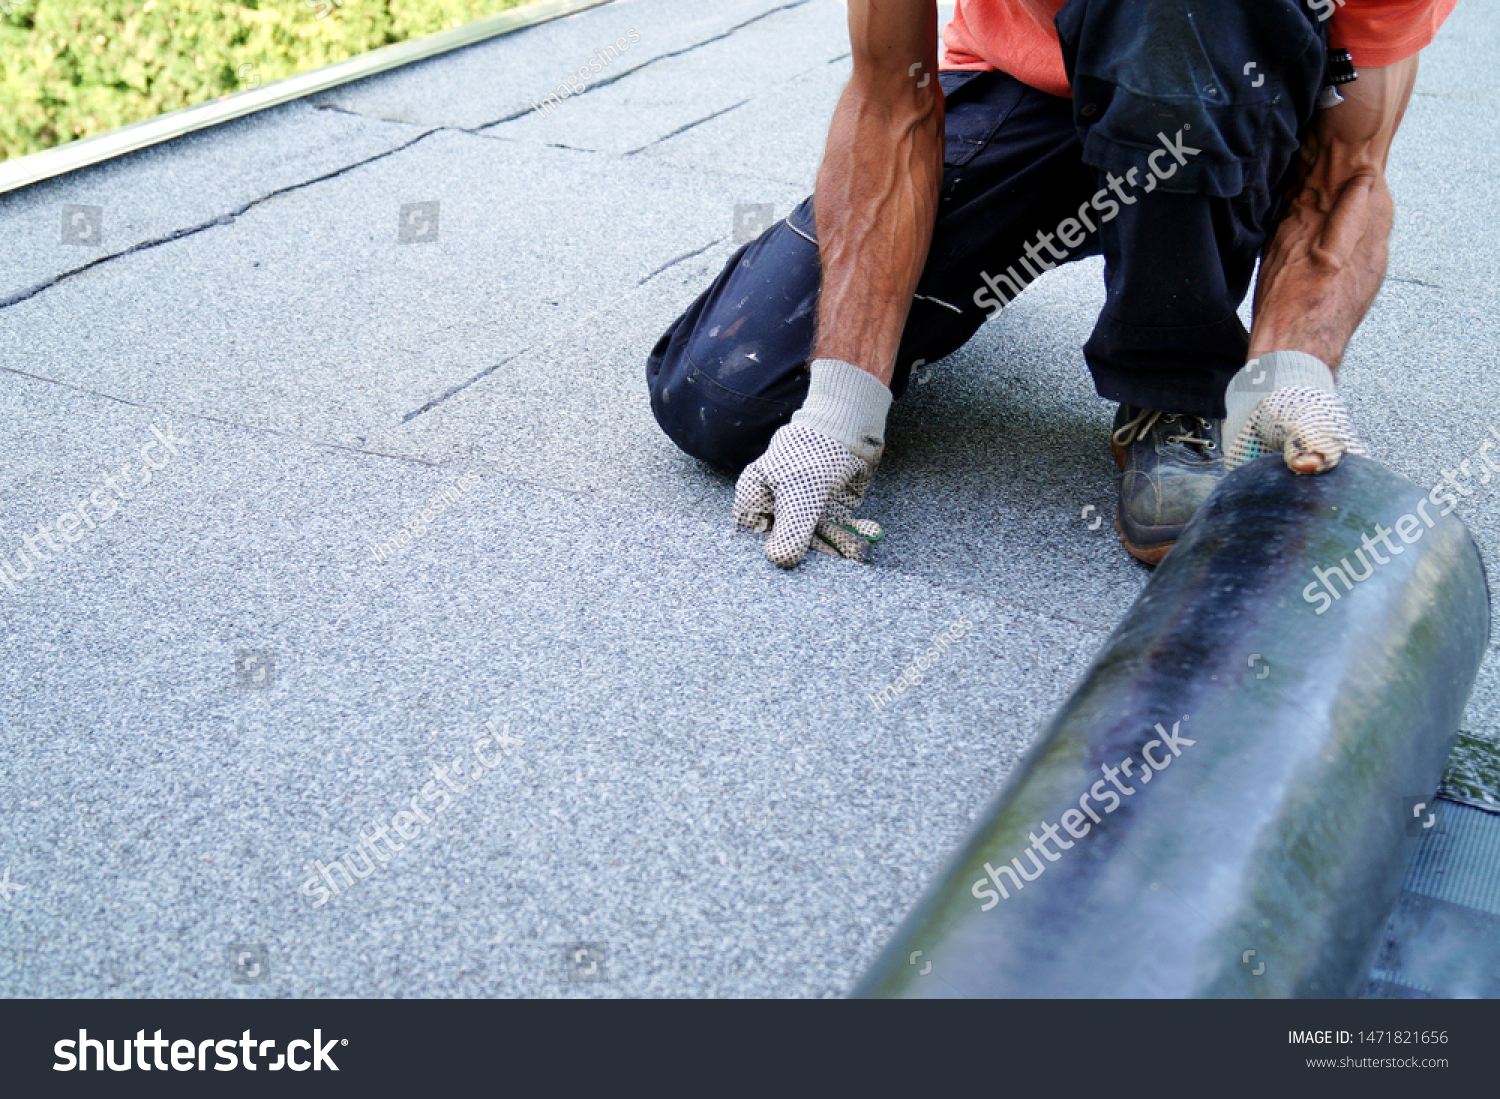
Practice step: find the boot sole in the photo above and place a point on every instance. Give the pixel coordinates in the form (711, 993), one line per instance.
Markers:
(1146, 555)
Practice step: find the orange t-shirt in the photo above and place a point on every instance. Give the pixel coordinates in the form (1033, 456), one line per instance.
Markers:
(1018, 36)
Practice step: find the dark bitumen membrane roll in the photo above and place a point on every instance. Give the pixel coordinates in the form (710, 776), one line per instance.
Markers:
(1288, 737)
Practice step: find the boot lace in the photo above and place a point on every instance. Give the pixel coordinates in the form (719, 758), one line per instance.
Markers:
(1145, 420)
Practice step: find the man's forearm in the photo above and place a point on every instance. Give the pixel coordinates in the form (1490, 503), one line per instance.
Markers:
(1325, 263)
(877, 195)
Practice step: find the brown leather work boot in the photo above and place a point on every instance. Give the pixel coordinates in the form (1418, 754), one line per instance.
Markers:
(1170, 463)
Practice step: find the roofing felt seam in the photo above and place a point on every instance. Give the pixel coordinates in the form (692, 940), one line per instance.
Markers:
(17, 173)
(607, 81)
(259, 428)
(222, 219)
(686, 127)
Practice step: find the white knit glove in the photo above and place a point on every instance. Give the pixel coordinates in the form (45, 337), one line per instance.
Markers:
(805, 487)
(1284, 403)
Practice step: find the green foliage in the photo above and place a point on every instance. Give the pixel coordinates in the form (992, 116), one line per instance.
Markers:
(71, 70)
(1474, 769)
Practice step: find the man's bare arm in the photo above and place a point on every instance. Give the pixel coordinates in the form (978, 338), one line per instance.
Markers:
(877, 189)
(1326, 262)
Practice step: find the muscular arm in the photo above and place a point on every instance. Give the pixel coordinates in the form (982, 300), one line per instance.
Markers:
(877, 189)
(1324, 265)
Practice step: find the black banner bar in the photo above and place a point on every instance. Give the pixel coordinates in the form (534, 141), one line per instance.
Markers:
(565, 1046)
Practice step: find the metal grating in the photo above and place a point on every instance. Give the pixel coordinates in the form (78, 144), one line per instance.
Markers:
(1443, 940)
(1460, 861)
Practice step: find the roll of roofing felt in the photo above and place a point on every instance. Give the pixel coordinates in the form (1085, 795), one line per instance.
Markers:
(1226, 804)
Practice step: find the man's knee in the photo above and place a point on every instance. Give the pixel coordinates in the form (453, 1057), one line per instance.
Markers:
(733, 368)
(705, 418)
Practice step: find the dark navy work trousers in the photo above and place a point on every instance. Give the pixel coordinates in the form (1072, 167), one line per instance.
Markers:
(1170, 160)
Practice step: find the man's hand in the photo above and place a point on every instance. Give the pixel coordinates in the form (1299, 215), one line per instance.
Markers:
(806, 485)
(874, 208)
(815, 472)
(1308, 427)
(1284, 403)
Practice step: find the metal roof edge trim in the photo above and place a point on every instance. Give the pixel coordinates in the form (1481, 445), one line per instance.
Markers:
(1448, 794)
(35, 167)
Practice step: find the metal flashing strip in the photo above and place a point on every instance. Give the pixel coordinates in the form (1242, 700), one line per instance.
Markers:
(35, 167)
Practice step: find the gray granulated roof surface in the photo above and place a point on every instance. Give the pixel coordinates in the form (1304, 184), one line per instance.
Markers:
(218, 685)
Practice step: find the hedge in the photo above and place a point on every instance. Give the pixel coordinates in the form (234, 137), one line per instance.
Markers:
(71, 70)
